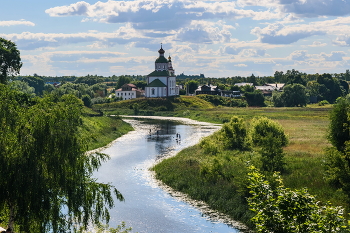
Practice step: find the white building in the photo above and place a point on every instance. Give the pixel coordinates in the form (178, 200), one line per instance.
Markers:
(162, 81)
(128, 91)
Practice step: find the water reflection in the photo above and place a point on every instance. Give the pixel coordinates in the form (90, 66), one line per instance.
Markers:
(147, 207)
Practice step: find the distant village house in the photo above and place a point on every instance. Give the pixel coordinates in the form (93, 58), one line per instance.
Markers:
(128, 91)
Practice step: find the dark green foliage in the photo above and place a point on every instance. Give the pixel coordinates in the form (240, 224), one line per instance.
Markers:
(46, 177)
(294, 95)
(86, 100)
(191, 86)
(140, 84)
(295, 77)
(337, 158)
(122, 80)
(235, 134)
(270, 137)
(332, 87)
(89, 80)
(223, 101)
(339, 128)
(255, 98)
(10, 60)
(279, 209)
(36, 82)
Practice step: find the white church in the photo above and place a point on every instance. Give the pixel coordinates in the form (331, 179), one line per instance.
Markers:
(162, 81)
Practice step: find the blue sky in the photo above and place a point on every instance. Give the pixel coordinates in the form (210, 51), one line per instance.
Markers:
(216, 38)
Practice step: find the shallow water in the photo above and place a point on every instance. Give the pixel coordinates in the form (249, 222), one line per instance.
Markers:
(148, 207)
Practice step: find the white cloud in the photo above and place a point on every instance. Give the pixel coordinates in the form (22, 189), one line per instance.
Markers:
(204, 32)
(300, 55)
(343, 41)
(161, 15)
(334, 56)
(15, 23)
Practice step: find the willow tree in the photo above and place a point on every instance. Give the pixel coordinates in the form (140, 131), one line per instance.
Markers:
(46, 176)
(10, 60)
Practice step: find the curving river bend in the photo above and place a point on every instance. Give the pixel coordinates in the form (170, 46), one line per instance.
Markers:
(150, 206)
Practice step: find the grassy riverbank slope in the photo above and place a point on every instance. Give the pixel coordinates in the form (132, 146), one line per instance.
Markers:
(101, 130)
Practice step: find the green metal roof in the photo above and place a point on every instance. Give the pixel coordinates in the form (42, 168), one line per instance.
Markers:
(156, 83)
(162, 73)
(161, 59)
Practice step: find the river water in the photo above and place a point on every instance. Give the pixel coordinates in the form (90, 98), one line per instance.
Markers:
(150, 206)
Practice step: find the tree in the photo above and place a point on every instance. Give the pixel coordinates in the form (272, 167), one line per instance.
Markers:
(294, 95)
(255, 98)
(270, 137)
(36, 82)
(192, 86)
(294, 77)
(333, 89)
(279, 209)
(22, 87)
(337, 157)
(10, 60)
(46, 176)
(235, 134)
(339, 127)
(122, 80)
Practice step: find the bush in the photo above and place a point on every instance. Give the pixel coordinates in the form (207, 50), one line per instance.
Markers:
(235, 134)
(279, 209)
(270, 137)
(323, 103)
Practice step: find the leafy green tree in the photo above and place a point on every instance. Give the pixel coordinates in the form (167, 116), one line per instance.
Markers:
(46, 175)
(22, 87)
(235, 134)
(247, 88)
(279, 209)
(140, 84)
(333, 88)
(277, 99)
(10, 60)
(86, 100)
(48, 88)
(192, 86)
(36, 82)
(270, 137)
(294, 95)
(255, 98)
(339, 128)
(337, 158)
(295, 77)
(122, 80)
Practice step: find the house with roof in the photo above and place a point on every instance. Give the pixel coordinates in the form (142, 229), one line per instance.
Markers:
(128, 91)
(162, 81)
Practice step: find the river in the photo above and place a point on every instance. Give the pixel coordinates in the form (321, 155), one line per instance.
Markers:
(150, 206)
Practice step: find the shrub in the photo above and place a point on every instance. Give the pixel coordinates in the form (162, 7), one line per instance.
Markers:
(279, 209)
(270, 137)
(235, 134)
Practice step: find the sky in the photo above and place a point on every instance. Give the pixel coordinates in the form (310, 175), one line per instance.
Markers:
(214, 38)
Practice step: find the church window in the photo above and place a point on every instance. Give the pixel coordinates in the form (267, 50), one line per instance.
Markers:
(153, 91)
